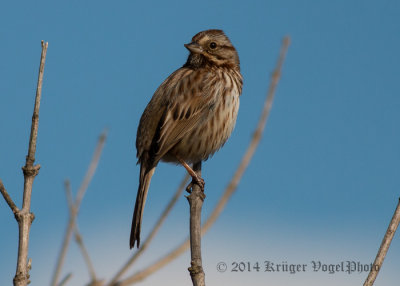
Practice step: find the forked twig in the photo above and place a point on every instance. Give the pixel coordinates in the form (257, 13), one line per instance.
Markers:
(233, 183)
(387, 239)
(81, 192)
(24, 216)
(78, 236)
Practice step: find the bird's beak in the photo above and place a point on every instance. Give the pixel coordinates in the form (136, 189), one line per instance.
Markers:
(194, 48)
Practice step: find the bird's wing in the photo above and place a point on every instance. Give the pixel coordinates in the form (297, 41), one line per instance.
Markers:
(188, 103)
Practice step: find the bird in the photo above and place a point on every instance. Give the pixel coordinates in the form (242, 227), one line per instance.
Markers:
(190, 116)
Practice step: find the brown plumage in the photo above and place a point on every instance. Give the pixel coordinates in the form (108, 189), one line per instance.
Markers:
(191, 114)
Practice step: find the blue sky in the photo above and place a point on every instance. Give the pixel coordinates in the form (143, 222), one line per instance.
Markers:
(322, 186)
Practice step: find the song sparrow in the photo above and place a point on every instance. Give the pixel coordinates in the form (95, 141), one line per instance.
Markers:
(191, 114)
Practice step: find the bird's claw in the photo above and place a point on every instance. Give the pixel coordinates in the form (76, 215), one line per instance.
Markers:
(198, 181)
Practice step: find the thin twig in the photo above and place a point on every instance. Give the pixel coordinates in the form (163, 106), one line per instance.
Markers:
(78, 236)
(85, 254)
(63, 252)
(233, 183)
(92, 168)
(139, 276)
(65, 280)
(24, 216)
(30, 159)
(71, 222)
(196, 199)
(8, 199)
(70, 199)
(387, 239)
(153, 232)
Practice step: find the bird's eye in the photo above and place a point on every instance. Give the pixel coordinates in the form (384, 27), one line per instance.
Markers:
(213, 45)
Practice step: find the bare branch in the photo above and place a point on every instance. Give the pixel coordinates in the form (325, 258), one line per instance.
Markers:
(24, 216)
(65, 280)
(35, 117)
(387, 239)
(68, 194)
(235, 179)
(8, 199)
(195, 200)
(78, 236)
(63, 252)
(96, 283)
(92, 169)
(139, 276)
(85, 254)
(153, 232)
(81, 192)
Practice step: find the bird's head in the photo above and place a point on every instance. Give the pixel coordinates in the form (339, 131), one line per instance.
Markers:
(212, 47)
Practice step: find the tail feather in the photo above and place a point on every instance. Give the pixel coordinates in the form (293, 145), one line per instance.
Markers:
(144, 183)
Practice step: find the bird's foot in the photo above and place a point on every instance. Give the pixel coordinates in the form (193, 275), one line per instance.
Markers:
(198, 181)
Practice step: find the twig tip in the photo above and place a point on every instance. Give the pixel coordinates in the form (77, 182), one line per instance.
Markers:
(287, 40)
(104, 134)
(44, 44)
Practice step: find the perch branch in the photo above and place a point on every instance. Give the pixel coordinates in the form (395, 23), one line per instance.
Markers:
(153, 232)
(81, 192)
(196, 199)
(234, 181)
(387, 239)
